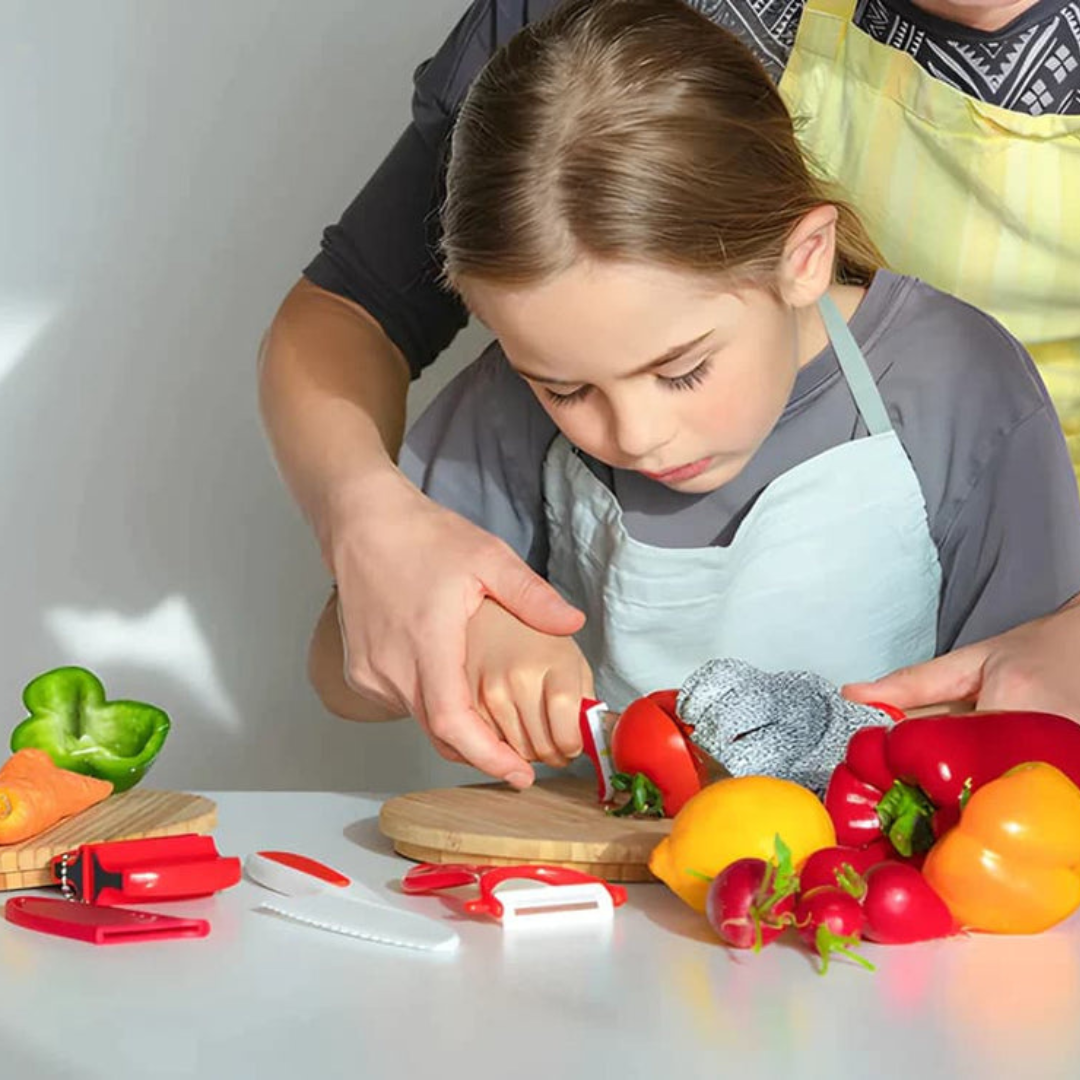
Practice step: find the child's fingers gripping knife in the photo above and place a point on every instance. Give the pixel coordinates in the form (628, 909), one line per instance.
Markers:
(564, 689)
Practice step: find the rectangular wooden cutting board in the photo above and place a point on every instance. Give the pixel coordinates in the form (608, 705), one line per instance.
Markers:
(558, 822)
(128, 816)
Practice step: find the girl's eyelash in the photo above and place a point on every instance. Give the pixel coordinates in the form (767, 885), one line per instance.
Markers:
(694, 377)
(688, 381)
(566, 399)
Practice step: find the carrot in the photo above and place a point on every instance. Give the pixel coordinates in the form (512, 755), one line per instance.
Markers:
(35, 795)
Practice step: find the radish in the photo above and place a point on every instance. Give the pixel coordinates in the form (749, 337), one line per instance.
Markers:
(750, 902)
(830, 920)
(842, 865)
(901, 907)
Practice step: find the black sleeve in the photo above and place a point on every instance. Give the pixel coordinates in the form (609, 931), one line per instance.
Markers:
(383, 251)
(1013, 551)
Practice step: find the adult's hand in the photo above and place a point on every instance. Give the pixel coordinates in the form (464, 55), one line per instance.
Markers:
(1035, 666)
(410, 575)
(528, 685)
(332, 391)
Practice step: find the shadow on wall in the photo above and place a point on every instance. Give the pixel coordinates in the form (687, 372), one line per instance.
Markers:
(174, 170)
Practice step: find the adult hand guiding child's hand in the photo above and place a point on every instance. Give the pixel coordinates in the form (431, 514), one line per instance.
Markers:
(410, 578)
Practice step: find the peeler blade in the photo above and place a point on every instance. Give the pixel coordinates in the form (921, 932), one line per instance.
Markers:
(557, 906)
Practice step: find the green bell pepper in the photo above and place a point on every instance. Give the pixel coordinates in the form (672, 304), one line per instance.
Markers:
(73, 723)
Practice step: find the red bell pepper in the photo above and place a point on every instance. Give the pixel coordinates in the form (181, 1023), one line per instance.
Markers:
(909, 782)
(648, 740)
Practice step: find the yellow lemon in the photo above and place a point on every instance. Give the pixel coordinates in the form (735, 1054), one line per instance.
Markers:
(734, 819)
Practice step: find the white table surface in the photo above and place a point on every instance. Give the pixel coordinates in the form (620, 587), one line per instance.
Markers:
(654, 996)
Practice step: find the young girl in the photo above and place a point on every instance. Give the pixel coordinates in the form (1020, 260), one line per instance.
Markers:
(712, 419)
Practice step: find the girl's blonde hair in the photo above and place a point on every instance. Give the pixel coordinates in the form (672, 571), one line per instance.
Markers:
(630, 130)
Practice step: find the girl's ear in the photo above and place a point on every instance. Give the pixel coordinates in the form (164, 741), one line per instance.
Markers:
(806, 266)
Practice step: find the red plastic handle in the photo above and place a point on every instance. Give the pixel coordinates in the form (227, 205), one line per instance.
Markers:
(173, 881)
(316, 869)
(431, 877)
(116, 855)
(890, 711)
(152, 868)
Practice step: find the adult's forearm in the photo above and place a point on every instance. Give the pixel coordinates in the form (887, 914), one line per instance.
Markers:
(332, 391)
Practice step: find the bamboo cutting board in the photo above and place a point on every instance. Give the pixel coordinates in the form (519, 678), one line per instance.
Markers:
(558, 822)
(129, 816)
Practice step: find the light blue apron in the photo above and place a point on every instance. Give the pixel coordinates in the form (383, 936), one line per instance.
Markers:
(833, 570)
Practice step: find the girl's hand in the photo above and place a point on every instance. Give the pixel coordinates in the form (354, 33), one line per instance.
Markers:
(527, 684)
(410, 575)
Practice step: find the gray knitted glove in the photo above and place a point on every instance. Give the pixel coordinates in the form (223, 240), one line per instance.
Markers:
(790, 724)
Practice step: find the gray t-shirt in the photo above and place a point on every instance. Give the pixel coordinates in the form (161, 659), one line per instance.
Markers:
(965, 400)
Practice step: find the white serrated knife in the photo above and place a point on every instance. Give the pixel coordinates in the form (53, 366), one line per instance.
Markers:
(316, 895)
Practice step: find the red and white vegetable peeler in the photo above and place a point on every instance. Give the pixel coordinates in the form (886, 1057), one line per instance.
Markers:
(562, 892)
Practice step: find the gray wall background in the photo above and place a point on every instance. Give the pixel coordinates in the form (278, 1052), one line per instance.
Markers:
(166, 167)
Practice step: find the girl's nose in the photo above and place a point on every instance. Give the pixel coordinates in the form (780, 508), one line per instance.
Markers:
(638, 430)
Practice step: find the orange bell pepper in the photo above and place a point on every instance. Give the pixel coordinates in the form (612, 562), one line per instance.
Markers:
(1012, 864)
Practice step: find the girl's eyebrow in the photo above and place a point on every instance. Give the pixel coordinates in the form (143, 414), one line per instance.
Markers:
(674, 353)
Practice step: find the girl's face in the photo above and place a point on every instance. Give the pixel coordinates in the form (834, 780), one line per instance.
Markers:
(652, 369)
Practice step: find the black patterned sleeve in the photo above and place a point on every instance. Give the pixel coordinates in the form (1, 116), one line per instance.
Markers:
(382, 252)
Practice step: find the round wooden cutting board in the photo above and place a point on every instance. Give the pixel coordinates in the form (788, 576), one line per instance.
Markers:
(558, 822)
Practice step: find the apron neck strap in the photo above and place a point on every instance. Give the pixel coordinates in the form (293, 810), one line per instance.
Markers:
(852, 363)
(841, 9)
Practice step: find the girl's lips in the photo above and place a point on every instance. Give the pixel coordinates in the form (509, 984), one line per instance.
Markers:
(681, 473)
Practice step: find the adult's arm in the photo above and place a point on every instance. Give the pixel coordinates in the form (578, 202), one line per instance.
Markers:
(334, 373)
(370, 310)
(1010, 629)
(1033, 667)
(410, 574)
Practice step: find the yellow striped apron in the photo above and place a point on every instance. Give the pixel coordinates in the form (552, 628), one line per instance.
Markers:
(976, 200)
